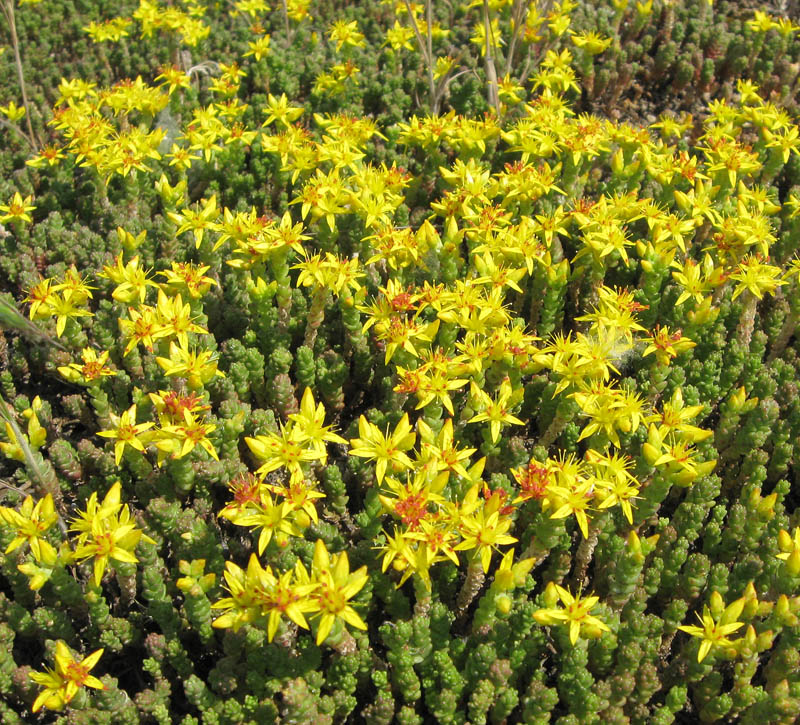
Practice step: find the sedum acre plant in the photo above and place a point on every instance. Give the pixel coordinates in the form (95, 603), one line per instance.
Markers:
(400, 362)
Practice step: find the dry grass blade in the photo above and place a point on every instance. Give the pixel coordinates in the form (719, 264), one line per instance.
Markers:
(12, 319)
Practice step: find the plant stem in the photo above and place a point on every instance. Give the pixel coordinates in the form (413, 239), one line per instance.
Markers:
(316, 315)
(427, 51)
(518, 11)
(17, 131)
(470, 588)
(8, 11)
(787, 330)
(286, 22)
(491, 71)
(744, 331)
(585, 552)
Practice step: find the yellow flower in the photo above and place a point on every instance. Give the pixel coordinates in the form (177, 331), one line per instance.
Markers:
(31, 523)
(63, 683)
(198, 366)
(576, 613)
(675, 417)
(265, 514)
(399, 37)
(176, 318)
(143, 326)
(441, 451)
(180, 439)
(666, 345)
(284, 449)
(614, 483)
(107, 533)
(383, 448)
(197, 221)
(257, 593)
(309, 424)
(298, 10)
(182, 158)
(49, 155)
(259, 47)
(131, 280)
(336, 586)
(251, 7)
(92, 370)
(174, 77)
(714, 632)
(790, 549)
(343, 33)
(188, 276)
(301, 495)
(72, 293)
(574, 500)
(495, 411)
(127, 432)
(756, 277)
(485, 528)
(761, 22)
(17, 209)
(109, 507)
(678, 454)
(410, 501)
(12, 111)
(592, 42)
(280, 110)
(113, 30)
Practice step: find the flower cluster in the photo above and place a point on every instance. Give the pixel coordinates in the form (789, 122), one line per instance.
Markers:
(379, 369)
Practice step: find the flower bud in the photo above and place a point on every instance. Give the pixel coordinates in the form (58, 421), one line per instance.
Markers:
(591, 631)
(651, 453)
(764, 640)
(793, 563)
(737, 399)
(783, 611)
(551, 597)
(684, 478)
(618, 162)
(749, 642)
(302, 519)
(750, 601)
(716, 604)
(130, 242)
(503, 603)
(704, 314)
(785, 541)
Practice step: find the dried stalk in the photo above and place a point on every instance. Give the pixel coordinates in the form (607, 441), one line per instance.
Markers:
(491, 71)
(8, 11)
(426, 48)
